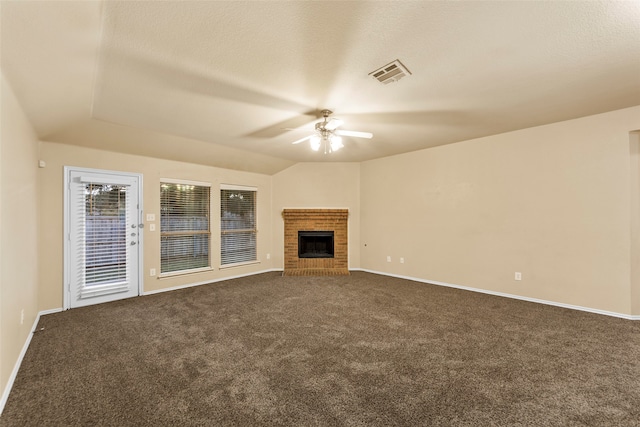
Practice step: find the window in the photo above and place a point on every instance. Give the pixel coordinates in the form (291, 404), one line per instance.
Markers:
(237, 224)
(184, 226)
(104, 230)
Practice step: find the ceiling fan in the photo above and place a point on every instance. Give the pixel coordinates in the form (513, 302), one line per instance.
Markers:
(328, 135)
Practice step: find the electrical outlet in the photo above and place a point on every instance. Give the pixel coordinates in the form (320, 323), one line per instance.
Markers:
(152, 272)
(388, 258)
(518, 276)
(268, 256)
(401, 260)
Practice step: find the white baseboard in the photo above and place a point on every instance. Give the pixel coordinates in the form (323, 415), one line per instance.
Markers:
(206, 282)
(501, 294)
(50, 311)
(16, 367)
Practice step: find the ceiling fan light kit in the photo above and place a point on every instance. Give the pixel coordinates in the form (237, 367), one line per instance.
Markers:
(327, 135)
(315, 141)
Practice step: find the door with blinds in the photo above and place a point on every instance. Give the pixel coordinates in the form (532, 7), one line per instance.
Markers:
(103, 226)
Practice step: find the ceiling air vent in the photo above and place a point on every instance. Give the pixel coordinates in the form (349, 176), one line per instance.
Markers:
(392, 72)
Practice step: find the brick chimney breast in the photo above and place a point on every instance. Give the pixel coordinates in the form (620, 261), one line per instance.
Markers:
(335, 220)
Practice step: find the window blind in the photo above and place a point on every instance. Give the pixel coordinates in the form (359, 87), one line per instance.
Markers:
(102, 248)
(237, 225)
(184, 226)
(103, 233)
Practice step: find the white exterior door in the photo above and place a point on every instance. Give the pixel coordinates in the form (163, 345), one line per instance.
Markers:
(103, 225)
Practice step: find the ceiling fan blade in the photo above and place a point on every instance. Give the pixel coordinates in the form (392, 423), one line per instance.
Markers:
(302, 140)
(333, 124)
(284, 126)
(368, 135)
(181, 77)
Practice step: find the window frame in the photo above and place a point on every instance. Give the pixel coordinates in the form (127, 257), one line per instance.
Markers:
(254, 230)
(209, 267)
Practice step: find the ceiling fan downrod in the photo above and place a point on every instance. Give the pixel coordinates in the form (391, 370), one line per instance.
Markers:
(321, 126)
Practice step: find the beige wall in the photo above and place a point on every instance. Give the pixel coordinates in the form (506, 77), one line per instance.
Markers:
(51, 244)
(19, 231)
(552, 202)
(634, 150)
(317, 185)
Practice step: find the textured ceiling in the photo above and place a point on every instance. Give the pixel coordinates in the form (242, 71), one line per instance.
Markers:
(216, 82)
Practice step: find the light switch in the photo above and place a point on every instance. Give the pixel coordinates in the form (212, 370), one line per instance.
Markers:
(152, 227)
(151, 217)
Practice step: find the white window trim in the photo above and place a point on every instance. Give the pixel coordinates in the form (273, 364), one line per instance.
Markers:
(183, 272)
(237, 187)
(238, 264)
(184, 182)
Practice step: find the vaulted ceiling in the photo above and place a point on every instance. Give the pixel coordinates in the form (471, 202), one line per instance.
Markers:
(219, 82)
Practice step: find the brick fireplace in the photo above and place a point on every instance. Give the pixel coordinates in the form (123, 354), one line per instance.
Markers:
(305, 220)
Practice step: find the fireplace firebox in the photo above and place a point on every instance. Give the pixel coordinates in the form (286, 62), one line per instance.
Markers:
(315, 244)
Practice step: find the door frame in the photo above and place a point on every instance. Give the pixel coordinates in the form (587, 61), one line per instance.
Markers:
(66, 237)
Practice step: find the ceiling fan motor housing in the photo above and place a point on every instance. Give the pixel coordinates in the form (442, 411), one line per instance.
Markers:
(321, 126)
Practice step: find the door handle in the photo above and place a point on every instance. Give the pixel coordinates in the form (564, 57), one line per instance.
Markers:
(133, 243)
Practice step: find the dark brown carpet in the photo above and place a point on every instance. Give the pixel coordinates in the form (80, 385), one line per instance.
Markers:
(359, 350)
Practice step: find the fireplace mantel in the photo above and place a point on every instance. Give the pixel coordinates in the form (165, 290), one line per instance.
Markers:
(335, 220)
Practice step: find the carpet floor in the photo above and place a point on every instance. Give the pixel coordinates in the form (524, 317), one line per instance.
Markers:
(358, 350)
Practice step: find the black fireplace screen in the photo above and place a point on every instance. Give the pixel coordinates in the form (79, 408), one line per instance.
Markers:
(315, 244)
